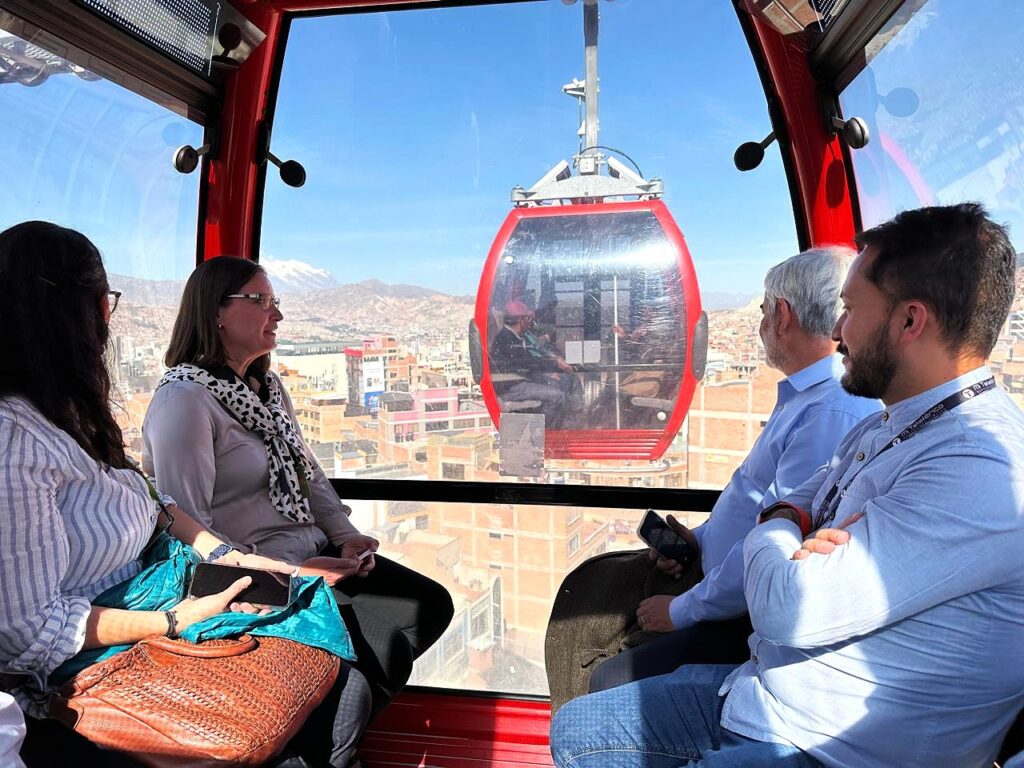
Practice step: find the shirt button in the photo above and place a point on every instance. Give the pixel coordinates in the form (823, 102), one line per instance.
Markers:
(885, 416)
(860, 457)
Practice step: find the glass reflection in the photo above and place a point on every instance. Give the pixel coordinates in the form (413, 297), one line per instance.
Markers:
(587, 321)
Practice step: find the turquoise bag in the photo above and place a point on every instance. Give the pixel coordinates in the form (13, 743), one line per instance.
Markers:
(311, 617)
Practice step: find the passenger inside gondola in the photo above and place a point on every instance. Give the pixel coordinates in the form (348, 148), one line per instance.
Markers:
(528, 369)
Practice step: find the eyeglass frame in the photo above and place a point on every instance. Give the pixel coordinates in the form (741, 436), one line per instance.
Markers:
(113, 297)
(265, 300)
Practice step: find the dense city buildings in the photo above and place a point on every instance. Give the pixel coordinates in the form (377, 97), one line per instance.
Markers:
(404, 407)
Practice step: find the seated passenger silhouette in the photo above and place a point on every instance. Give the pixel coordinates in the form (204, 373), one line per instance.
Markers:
(524, 371)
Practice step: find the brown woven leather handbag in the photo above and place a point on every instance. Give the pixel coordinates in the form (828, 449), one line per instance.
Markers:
(172, 703)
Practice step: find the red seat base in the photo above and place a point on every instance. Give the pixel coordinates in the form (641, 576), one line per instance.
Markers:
(428, 730)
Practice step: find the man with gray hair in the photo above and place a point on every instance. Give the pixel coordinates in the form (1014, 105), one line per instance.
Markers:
(708, 624)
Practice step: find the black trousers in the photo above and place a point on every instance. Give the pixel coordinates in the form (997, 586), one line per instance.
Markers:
(709, 642)
(393, 615)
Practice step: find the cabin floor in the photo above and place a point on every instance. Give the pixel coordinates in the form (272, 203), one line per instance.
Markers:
(427, 730)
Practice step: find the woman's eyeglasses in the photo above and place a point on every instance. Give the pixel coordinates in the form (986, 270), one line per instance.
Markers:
(265, 300)
(112, 296)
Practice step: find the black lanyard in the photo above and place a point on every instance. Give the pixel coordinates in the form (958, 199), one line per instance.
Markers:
(956, 399)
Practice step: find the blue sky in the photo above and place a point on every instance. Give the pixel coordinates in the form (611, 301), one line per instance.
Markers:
(414, 126)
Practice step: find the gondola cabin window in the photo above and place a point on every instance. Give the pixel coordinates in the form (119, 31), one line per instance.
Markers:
(85, 152)
(492, 286)
(947, 128)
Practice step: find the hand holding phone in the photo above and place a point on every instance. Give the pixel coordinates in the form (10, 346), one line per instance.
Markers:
(666, 541)
(268, 588)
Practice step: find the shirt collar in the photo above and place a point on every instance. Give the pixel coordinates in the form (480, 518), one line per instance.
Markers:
(903, 413)
(830, 366)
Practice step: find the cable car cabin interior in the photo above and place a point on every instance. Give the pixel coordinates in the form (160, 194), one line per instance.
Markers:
(379, 159)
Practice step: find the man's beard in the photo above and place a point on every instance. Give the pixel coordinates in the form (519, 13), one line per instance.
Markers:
(870, 372)
(774, 355)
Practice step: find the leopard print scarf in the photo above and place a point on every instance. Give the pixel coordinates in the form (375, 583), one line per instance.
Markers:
(290, 470)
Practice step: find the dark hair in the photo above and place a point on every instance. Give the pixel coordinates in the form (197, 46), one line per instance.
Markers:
(195, 339)
(51, 320)
(957, 261)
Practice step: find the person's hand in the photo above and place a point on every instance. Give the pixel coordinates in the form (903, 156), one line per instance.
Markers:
(259, 562)
(653, 615)
(194, 609)
(330, 569)
(619, 331)
(564, 365)
(357, 544)
(666, 564)
(825, 540)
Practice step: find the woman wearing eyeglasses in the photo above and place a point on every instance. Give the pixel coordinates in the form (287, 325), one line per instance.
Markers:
(75, 515)
(222, 438)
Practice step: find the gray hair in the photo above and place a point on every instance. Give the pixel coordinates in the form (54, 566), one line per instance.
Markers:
(811, 282)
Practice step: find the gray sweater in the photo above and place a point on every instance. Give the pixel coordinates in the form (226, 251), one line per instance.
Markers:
(217, 471)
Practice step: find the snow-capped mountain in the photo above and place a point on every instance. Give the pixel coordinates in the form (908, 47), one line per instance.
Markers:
(294, 276)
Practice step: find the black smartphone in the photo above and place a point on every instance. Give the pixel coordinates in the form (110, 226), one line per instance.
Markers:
(665, 541)
(268, 588)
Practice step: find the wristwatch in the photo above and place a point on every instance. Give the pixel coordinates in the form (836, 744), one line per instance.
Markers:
(219, 551)
(790, 512)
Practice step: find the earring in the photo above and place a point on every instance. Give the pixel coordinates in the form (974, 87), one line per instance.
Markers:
(220, 325)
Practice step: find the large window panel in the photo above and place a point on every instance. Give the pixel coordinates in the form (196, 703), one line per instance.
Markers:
(947, 128)
(88, 154)
(414, 126)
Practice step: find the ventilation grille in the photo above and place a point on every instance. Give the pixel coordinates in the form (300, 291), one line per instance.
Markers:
(829, 11)
(184, 30)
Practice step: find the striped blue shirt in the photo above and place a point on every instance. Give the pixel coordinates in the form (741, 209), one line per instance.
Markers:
(69, 529)
(905, 646)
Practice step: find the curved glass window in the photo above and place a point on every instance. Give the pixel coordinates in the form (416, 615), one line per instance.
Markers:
(947, 128)
(944, 128)
(88, 154)
(418, 235)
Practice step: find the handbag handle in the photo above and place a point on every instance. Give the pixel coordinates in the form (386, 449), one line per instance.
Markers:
(161, 651)
(209, 649)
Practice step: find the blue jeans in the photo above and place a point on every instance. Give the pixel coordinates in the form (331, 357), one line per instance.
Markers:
(661, 722)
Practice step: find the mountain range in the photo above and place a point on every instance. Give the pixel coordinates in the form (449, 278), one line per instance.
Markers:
(318, 308)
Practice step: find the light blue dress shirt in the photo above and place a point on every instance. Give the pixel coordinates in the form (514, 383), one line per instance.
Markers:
(812, 414)
(905, 646)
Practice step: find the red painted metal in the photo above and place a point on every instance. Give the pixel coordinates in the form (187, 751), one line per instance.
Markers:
(232, 177)
(817, 155)
(443, 730)
(604, 443)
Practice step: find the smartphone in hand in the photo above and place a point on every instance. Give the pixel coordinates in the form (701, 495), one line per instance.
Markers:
(660, 537)
(268, 588)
